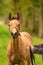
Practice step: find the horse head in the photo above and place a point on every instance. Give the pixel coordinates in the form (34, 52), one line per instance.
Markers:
(14, 25)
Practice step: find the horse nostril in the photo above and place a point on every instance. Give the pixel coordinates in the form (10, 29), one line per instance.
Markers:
(15, 33)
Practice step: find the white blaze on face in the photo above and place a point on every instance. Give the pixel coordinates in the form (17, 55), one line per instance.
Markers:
(13, 21)
(14, 30)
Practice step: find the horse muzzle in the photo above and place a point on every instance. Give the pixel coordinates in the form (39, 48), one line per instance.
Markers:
(13, 32)
(14, 35)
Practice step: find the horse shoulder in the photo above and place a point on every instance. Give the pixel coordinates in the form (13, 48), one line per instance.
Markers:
(27, 35)
(27, 39)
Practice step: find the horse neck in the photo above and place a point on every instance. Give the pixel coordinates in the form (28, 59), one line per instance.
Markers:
(15, 44)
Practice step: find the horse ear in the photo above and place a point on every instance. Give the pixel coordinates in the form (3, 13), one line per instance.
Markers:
(18, 15)
(9, 17)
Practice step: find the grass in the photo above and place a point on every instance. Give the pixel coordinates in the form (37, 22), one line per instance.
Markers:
(4, 39)
(38, 57)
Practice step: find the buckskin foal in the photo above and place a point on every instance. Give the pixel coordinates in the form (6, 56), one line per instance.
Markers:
(18, 49)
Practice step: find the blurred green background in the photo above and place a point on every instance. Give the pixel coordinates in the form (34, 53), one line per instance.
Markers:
(31, 18)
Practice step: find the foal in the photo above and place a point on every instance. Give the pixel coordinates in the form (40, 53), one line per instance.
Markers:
(18, 49)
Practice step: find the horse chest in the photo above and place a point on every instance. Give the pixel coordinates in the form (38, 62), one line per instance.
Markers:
(16, 57)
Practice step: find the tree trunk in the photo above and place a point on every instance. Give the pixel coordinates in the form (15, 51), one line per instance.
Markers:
(40, 24)
(42, 13)
(37, 18)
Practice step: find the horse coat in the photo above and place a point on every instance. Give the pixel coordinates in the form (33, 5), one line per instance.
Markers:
(18, 48)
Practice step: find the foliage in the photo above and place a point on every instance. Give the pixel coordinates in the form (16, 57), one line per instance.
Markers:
(15, 1)
(36, 3)
(5, 7)
(27, 8)
(30, 12)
